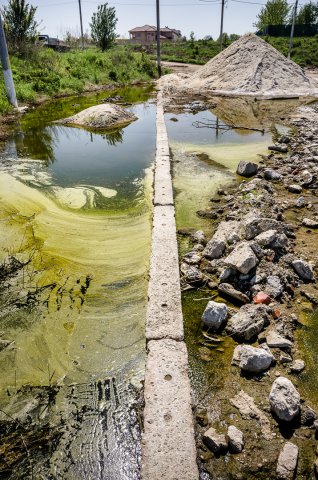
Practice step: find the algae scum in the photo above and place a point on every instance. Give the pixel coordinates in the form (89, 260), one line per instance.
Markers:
(75, 246)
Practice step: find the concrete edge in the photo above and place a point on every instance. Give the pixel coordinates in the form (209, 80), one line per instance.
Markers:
(168, 442)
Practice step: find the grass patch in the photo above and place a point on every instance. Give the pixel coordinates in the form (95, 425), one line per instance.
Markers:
(305, 50)
(44, 72)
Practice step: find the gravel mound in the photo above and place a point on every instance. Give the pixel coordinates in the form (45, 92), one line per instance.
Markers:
(252, 66)
(102, 116)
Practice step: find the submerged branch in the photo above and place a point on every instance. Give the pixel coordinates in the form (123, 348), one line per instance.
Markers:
(215, 124)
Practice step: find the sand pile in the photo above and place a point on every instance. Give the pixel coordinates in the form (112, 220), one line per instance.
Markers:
(102, 116)
(251, 66)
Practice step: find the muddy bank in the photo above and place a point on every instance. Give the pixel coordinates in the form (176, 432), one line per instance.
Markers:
(262, 254)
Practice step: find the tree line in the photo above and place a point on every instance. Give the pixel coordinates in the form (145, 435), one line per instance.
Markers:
(22, 28)
(279, 12)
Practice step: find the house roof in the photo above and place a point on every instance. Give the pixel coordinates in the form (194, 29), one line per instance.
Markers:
(151, 28)
(145, 28)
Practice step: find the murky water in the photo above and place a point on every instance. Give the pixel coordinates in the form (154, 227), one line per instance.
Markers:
(76, 209)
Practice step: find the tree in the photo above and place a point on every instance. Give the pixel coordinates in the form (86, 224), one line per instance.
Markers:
(308, 14)
(103, 26)
(19, 23)
(275, 12)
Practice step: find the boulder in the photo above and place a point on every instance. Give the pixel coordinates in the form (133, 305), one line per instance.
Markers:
(242, 258)
(284, 399)
(252, 359)
(248, 322)
(216, 442)
(235, 439)
(247, 169)
(303, 270)
(230, 291)
(217, 245)
(214, 315)
(287, 462)
(274, 340)
(103, 116)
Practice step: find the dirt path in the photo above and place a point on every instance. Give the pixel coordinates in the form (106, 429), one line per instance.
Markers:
(181, 67)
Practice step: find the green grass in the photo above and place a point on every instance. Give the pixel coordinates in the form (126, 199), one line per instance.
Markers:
(44, 72)
(305, 50)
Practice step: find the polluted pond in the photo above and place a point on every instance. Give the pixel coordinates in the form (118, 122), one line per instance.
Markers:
(75, 244)
(248, 295)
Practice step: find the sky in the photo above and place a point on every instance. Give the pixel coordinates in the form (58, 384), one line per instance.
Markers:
(200, 16)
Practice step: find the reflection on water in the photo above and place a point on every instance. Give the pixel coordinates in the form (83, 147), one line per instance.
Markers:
(76, 212)
(206, 159)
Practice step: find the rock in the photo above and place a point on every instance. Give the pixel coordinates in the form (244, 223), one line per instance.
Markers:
(199, 237)
(316, 425)
(287, 462)
(242, 258)
(281, 241)
(284, 139)
(193, 274)
(247, 408)
(230, 291)
(248, 322)
(192, 258)
(216, 246)
(216, 442)
(252, 359)
(235, 439)
(278, 148)
(262, 297)
(284, 399)
(309, 223)
(301, 202)
(274, 286)
(100, 117)
(274, 340)
(295, 188)
(254, 226)
(298, 366)
(316, 468)
(285, 358)
(247, 169)
(272, 175)
(303, 270)
(308, 416)
(227, 273)
(266, 238)
(214, 315)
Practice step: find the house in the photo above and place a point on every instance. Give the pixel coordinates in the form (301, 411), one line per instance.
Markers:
(148, 34)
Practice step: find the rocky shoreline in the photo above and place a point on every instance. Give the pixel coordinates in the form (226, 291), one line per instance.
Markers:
(258, 265)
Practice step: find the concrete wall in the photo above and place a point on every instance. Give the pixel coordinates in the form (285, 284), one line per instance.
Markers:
(168, 445)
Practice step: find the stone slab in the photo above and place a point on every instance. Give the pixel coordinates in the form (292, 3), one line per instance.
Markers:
(164, 314)
(169, 451)
(163, 192)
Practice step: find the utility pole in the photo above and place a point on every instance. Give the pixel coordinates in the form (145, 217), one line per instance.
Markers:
(7, 73)
(158, 38)
(292, 29)
(221, 30)
(81, 21)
